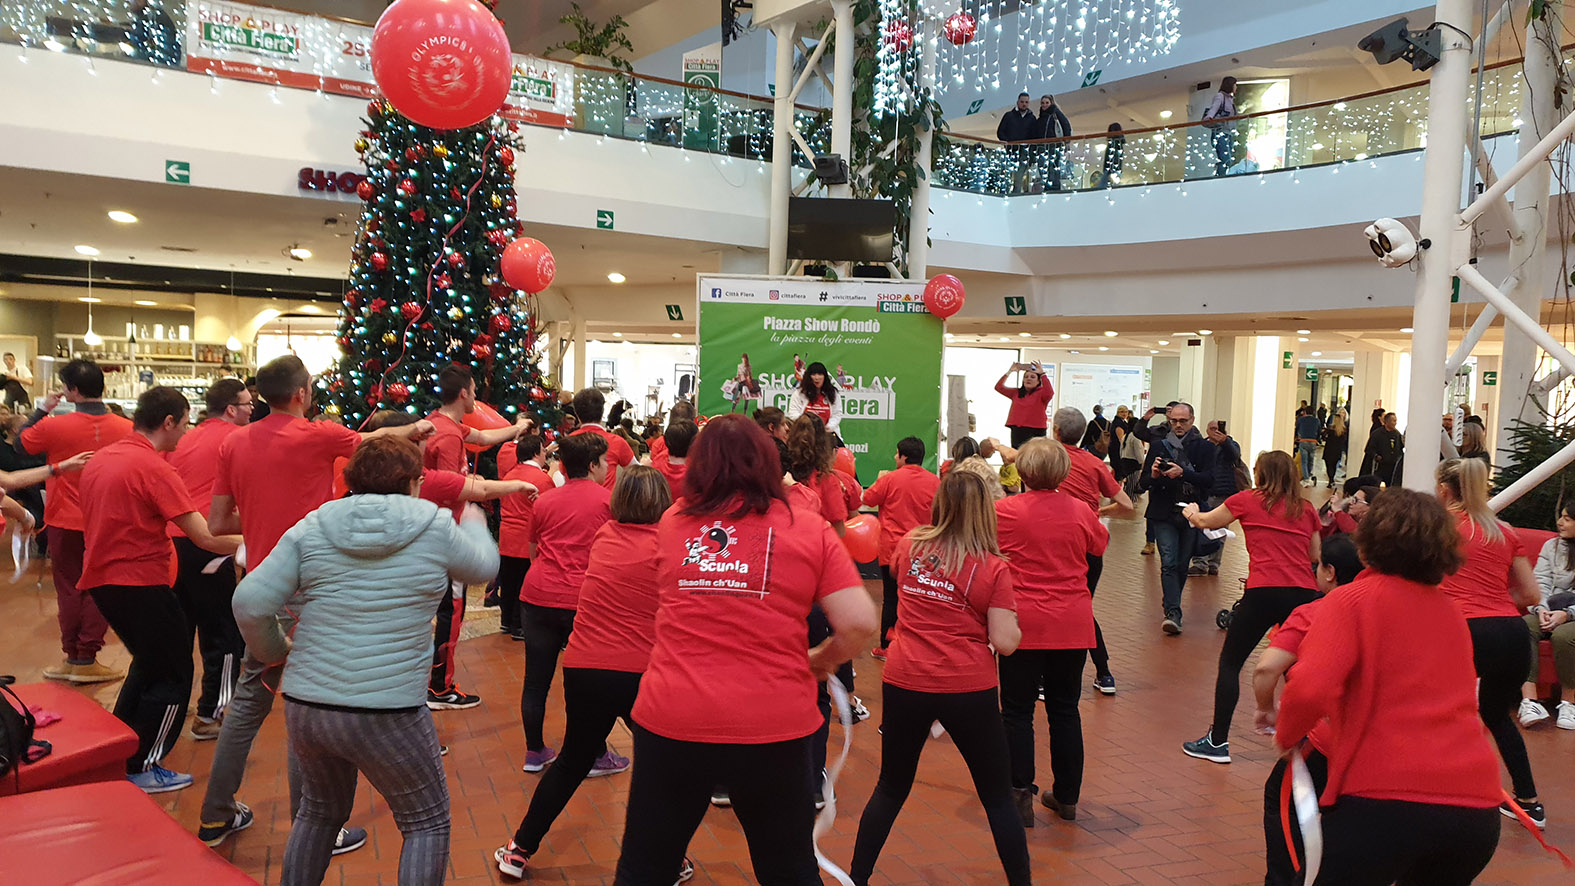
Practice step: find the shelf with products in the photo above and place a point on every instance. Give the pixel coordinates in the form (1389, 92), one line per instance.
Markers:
(132, 366)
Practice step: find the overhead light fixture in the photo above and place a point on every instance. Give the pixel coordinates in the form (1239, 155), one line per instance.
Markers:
(1166, 114)
(831, 169)
(1005, 338)
(233, 345)
(122, 216)
(1065, 336)
(1396, 42)
(1304, 332)
(90, 299)
(1104, 348)
(1025, 335)
(84, 249)
(1163, 342)
(90, 338)
(1393, 243)
(950, 336)
(1317, 353)
(146, 303)
(615, 277)
(1205, 332)
(617, 335)
(1152, 351)
(1407, 330)
(1302, 338)
(1317, 146)
(678, 335)
(1110, 333)
(298, 252)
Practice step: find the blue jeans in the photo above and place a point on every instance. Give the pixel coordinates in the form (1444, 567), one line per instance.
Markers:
(1224, 149)
(1176, 542)
(1307, 450)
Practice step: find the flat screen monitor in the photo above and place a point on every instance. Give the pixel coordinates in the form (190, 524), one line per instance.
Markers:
(840, 229)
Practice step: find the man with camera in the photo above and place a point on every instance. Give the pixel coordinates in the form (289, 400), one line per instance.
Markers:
(1180, 469)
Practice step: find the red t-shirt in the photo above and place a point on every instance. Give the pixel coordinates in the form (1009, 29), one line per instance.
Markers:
(673, 473)
(563, 524)
(1388, 661)
(514, 529)
(1288, 636)
(443, 488)
(508, 459)
(1277, 554)
(196, 459)
(852, 492)
(735, 592)
(821, 407)
(445, 449)
(618, 452)
(278, 470)
(57, 438)
(658, 446)
(833, 506)
(616, 620)
(1089, 477)
(944, 644)
(1047, 537)
(1027, 411)
(804, 500)
(1481, 587)
(904, 497)
(130, 493)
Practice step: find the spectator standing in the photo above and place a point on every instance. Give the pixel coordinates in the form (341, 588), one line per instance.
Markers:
(1387, 446)
(1019, 125)
(1224, 134)
(1230, 476)
(1115, 151)
(1336, 440)
(1308, 432)
(1052, 124)
(1097, 436)
(1180, 469)
(1369, 452)
(17, 371)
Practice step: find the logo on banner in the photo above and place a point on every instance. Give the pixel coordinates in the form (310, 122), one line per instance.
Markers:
(530, 84)
(774, 295)
(716, 292)
(231, 30)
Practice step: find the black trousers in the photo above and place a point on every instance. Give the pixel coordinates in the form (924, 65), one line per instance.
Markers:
(888, 604)
(445, 638)
(1060, 672)
(671, 789)
(546, 633)
(157, 690)
(973, 720)
(1379, 842)
(206, 601)
(1099, 654)
(1259, 610)
(1276, 853)
(1023, 435)
(594, 700)
(1503, 658)
(511, 577)
(819, 630)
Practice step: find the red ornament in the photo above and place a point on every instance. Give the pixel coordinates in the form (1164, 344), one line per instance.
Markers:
(506, 155)
(501, 323)
(959, 28)
(428, 327)
(378, 305)
(398, 392)
(455, 259)
(443, 281)
(898, 35)
(364, 190)
(353, 297)
(550, 434)
(336, 385)
(418, 216)
(497, 238)
(482, 351)
(537, 394)
(392, 165)
(483, 339)
(374, 109)
(373, 225)
(344, 342)
(443, 63)
(411, 310)
(379, 261)
(455, 193)
(528, 264)
(412, 155)
(374, 395)
(500, 293)
(373, 365)
(944, 295)
(407, 187)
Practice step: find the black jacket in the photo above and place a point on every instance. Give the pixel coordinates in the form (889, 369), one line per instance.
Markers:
(1196, 483)
(1017, 126)
(1052, 124)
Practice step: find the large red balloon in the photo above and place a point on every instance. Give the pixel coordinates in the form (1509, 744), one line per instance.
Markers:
(862, 538)
(528, 264)
(845, 461)
(485, 418)
(943, 295)
(442, 63)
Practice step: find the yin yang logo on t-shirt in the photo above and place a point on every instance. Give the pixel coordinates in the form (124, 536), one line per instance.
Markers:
(713, 543)
(723, 560)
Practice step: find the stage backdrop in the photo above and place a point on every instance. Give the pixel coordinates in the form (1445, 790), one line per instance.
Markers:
(874, 334)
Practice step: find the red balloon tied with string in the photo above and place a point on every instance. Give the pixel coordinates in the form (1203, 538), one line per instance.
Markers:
(527, 264)
(944, 295)
(862, 538)
(485, 418)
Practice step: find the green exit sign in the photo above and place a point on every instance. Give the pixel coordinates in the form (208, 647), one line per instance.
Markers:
(604, 219)
(1016, 306)
(177, 172)
(975, 105)
(675, 312)
(1091, 78)
(1312, 373)
(1489, 378)
(1287, 359)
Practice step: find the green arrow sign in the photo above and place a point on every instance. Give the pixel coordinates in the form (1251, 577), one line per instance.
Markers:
(1091, 78)
(1285, 361)
(1489, 378)
(675, 312)
(604, 219)
(975, 105)
(177, 172)
(1016, 306)
(1312, 373)
(1454, 292)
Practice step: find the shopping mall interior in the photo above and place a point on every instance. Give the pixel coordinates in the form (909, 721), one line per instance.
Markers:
(179, 202)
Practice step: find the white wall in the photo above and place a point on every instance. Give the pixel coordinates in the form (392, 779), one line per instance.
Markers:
(639, 366)
(981, 367)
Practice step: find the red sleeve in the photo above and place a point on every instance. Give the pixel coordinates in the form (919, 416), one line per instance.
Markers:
(508, 459)
(1323, 667)
(338, 438)
(1002, 594)
(1240, 503)
(837, 571)
(1310, 517)
(442, 488)
(1289, 636)
(1045, 390)
(165, 489)
(1004, 391)
(37, 439)
(1098, 535)
(221, 470)
(1517, 543)
(1108, 487)
(619, 451)
(876, 494)
(1344, 522)
(832, 505)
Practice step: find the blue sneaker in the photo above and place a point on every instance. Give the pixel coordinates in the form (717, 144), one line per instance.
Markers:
(608, 763)
(214, 834)
(349, 840)
(159, 780)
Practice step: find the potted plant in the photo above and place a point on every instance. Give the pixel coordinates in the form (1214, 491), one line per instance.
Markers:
(601, 100)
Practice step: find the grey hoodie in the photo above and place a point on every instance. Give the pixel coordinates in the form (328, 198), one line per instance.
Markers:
(362, 575)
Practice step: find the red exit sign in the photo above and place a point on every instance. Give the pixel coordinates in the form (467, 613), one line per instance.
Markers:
(311, 179)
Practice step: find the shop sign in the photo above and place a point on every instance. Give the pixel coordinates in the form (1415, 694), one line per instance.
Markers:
(310, 179)
(263, 45)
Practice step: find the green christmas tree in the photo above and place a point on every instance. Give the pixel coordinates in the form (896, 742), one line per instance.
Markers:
(425, 289)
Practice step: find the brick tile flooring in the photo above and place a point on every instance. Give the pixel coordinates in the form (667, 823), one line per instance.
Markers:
(1149, 814)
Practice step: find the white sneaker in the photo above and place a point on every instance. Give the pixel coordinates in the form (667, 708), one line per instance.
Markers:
(1566, 715)
(1532, 713)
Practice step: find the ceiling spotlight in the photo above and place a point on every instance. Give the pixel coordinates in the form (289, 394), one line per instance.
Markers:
(1110, 333)
(83, 249)
(1104, 348)
(615, 277)
(89, 299)
(1165, 114)
(1407, 330)
(617, 335)
(1393, 243)
(232, 344)
(1302, 338)
(145, 303)
(1317, 353)
(1205, 332)
(298, 252)
(1152, 351)
(1005, 338)
(678, 335)
(1304, 332)
(1025, 335)
(1163, 342)
(1064, 336)
(122, 216)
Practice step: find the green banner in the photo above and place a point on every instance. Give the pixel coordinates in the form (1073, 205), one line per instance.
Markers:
(874, 336)
(702, 68)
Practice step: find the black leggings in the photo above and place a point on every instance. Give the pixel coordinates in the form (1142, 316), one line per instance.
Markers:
(1099, 654)
(1280, 871)
(1503, 657)
(973, 720)
(594, 700)
(511, 577)
(1259, 610)
(206, 600)
(1380, 842)
(888, 604)
(671, 789)
(1060, 672)
(547, 630)
(1023, 435)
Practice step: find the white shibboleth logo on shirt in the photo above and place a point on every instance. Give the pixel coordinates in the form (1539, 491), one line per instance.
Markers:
(924, 579)
(715, 563)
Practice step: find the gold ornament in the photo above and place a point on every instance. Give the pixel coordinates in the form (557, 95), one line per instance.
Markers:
(456, 313)
(439, 151)
(389, 338)
(361, 145)
(333, 409)
(497, 202)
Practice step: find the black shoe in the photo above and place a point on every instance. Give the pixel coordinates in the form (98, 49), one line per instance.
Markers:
(1172, 623)
(452, 700)
(1067, 811)
(490, 601)
(1206, 748)
(349, 840)
(1534, 811)
(1024, 797)
(214, 834)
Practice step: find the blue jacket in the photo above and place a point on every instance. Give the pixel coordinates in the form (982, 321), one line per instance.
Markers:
(362, 576)
(1196, 483)
(1226, 456)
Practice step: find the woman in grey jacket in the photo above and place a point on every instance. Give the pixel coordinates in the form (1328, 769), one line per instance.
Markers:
(1554, 619)
(363, 575)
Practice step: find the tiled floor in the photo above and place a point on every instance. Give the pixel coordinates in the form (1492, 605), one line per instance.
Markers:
(1149, 814)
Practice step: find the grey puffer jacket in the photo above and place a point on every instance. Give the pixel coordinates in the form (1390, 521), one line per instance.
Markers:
(1553, 573)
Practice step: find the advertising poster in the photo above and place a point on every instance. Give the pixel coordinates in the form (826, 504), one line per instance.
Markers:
(702, 67)
(542, 92)
(874, 336)
(1084, 384)
(241, 42)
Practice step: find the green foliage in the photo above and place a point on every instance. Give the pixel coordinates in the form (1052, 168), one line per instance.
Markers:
(601, 41)
(1529, 446)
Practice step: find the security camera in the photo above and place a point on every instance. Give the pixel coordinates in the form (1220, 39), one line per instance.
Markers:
(1393, 42)
(1392, 242)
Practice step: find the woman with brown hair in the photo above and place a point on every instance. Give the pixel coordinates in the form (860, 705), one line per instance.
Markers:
(955, 602)
(1282, 539)
(1493, 588)
(810, 457)
(1387, 661)
(1336, 440)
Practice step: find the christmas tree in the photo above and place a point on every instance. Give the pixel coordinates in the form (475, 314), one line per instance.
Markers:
(425, 289)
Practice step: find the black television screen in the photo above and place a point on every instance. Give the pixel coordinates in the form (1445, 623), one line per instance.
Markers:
(840, 229)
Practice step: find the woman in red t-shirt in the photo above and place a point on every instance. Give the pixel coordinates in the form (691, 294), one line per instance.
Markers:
(1413, 786)
(817, 394)
(607, 653)
(1282, 540)
(1493, 588)
(1048, 536)
(956, 602)
(809, 462)
(729, 696)
(1030, 399)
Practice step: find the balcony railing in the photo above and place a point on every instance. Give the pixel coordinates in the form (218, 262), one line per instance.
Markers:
(331, 57)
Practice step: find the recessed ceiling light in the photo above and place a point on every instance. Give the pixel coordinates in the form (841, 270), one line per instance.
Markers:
(678, 335)
(1163, 342)
(1104, 348)
(615, 277)
(122, 216)
(1152, 351)
(1302, 338)
(86, 250)
(950, 336)
(1110, 333)
(1166, 114)
(90, 299)
(1407, 329)
(299, 253)
(1317, 353)
(1005, 338)
(1317, 146)
(1025, 335)
(1205, 332)
(145, 302)
(1065, 336)
(1077, 351)
(617, 335)
(1304, 332)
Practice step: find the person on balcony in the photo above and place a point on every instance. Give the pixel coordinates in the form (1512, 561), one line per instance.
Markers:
(1019, 125)
(1224, 134)
(1051, 123)
(1115, 149)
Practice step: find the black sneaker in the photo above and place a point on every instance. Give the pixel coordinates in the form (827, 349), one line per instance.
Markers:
(1172, 623)
(1206, 749)
(686, 871)
(452, 700)
(720, 799)
(349, 840)
(1024, 798)
(214, 834)
(1534, 811)
(1106, 683)
(1067, 811)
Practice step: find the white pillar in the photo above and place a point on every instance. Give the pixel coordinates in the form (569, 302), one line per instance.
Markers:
(919, 215)
(1489, 402)
(1196, 385)
(581, 360)
(842, 88)
(1443, 168)
(781, 149)
(1287, 381)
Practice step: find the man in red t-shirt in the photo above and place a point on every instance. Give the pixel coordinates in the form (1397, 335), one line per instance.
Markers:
(270, 474)
(129, 495)
(58, 437)
(514, 529)
(205, 585)
(446, 449)
(675, 455)
(589, 406)
(904, 497)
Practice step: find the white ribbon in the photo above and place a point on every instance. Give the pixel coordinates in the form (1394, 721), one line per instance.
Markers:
(21, 553)
(828, 814)
(1305, 797)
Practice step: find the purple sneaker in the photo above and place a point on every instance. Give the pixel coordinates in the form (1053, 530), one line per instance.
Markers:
(536, 761)
(608, 763)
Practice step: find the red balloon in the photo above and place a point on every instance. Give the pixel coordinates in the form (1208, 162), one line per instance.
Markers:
(485, 418)
(944, 295)
(899, 36)
(442, 63)
(862, 538)
(528, 264)
(959, 28)
(844, 461)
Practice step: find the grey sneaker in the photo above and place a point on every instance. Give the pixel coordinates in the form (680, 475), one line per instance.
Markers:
(1206, 748)
(1172, 623)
